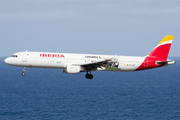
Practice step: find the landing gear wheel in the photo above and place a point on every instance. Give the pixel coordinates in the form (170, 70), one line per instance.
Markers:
(24, 70)
(89, 76)
(23, 73)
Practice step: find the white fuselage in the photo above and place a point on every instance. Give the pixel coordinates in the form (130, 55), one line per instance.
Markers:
(61, 60)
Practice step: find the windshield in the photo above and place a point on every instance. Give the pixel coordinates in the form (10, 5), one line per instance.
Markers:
(13, 56)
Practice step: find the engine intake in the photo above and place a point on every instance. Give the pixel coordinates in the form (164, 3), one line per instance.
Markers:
(71, 69)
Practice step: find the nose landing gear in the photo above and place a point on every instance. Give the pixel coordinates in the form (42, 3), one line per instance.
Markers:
(24, 70)
(89, 76)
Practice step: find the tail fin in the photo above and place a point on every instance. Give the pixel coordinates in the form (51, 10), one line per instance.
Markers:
(162, 49)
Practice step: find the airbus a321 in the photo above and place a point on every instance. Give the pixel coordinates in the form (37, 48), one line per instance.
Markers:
(76, 63)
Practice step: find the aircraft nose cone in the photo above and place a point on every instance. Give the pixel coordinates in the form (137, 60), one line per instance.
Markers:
(7, 61)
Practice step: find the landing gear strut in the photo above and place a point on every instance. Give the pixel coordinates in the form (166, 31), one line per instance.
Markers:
(89, 76)
(24, 70)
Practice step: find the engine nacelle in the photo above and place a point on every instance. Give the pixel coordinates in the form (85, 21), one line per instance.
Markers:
(70, 69)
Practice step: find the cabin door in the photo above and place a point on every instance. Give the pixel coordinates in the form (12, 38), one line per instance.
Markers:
(24, 57)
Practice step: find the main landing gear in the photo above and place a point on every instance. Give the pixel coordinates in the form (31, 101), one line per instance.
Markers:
(24, 70)
(89, 76)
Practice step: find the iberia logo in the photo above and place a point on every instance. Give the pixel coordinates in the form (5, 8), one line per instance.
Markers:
(52, 55)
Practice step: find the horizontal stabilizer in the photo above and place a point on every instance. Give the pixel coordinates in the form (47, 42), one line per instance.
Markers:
(170, 62)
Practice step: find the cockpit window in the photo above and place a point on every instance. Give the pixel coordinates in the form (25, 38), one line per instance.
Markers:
(13, 56)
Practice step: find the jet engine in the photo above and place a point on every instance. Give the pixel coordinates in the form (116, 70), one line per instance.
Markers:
(71, 69)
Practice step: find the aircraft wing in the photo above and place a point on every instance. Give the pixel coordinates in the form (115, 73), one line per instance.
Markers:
(94, 65)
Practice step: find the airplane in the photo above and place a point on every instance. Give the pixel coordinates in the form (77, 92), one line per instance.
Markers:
(76, 63)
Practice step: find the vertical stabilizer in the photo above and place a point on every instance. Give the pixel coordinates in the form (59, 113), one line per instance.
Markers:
(162, 49)
(158, 57)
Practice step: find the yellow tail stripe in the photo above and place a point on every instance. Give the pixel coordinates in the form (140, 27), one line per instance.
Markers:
(167, 38)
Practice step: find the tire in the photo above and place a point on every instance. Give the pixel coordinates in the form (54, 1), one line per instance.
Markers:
(87, 76)
(90, 76)
(23, 74)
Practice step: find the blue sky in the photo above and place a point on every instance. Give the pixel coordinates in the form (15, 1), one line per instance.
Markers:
(122, 27)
